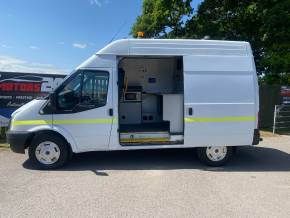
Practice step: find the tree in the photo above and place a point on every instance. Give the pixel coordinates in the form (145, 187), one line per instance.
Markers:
(162, 18)
(276, 41)
(265, 24)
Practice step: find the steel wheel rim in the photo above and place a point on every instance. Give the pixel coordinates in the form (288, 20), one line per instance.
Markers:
(216, 153)
(47, 153)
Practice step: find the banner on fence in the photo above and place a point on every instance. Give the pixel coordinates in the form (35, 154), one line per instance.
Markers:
(285, 93)
(16, 89)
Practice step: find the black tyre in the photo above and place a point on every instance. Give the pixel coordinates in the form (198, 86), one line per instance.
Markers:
(215, 156)
(48, 151)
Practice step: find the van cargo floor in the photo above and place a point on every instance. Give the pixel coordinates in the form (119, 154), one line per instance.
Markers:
(145, 127)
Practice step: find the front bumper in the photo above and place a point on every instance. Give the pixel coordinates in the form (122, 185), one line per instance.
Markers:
(17, 140)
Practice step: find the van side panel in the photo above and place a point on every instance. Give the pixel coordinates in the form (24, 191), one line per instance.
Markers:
(221, 92)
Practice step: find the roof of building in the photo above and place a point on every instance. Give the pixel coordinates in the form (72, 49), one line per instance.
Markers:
(176, 47)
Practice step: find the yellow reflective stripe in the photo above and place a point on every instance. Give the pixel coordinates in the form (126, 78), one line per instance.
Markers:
(83, 121)
(49, 122)
(30, 122)
(114, 120)
(218, 119)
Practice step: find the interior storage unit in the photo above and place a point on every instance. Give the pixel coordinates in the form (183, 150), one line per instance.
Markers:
(150, 100)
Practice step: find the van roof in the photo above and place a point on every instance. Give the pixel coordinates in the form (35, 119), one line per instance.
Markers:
(176, 47)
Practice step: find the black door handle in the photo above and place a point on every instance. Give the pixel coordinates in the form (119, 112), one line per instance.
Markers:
(190, 111)
(111, 112)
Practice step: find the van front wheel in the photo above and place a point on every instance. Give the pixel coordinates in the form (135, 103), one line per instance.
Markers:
(48, 151)
(215, 156)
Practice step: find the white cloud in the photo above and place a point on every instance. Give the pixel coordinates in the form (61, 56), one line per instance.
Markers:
(3, 45)
(98, 3)
(33, 47)
(12, 64)
(60, 43)
(79, 45)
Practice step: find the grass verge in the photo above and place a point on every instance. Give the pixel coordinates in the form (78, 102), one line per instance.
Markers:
(4, 145)
(265, 133)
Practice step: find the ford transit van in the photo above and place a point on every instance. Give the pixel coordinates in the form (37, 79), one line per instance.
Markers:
(146, 94)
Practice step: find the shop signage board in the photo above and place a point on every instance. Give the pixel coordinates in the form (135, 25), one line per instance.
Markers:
(16, 89)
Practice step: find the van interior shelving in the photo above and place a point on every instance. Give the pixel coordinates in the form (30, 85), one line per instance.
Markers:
(151, 99)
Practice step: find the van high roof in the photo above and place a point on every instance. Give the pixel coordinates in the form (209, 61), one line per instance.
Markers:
(168, 47)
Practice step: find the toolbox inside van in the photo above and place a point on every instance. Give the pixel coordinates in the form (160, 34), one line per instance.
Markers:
(151, 100)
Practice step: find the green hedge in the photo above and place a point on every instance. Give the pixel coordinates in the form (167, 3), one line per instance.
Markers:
(3, 134)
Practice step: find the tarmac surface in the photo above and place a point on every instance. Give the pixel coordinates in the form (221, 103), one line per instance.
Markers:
(151, 183)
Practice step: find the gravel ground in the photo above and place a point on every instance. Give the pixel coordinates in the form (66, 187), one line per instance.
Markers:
(160, 183)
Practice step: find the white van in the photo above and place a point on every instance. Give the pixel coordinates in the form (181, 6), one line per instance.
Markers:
(146, 94)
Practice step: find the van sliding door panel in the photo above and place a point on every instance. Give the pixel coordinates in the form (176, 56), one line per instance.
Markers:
(222, 104)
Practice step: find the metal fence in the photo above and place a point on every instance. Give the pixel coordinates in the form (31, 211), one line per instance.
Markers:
(269, 97)
(281, 122)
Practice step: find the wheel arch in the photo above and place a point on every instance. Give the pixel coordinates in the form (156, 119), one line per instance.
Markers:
(65, 136)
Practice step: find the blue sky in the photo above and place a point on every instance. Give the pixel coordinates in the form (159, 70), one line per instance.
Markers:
(57, 35)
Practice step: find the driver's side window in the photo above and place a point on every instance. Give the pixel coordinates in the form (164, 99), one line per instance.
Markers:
(70, 94)
(87, 90)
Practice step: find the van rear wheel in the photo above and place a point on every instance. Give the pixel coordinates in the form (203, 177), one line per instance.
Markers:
(215, 156)
(48, 151)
